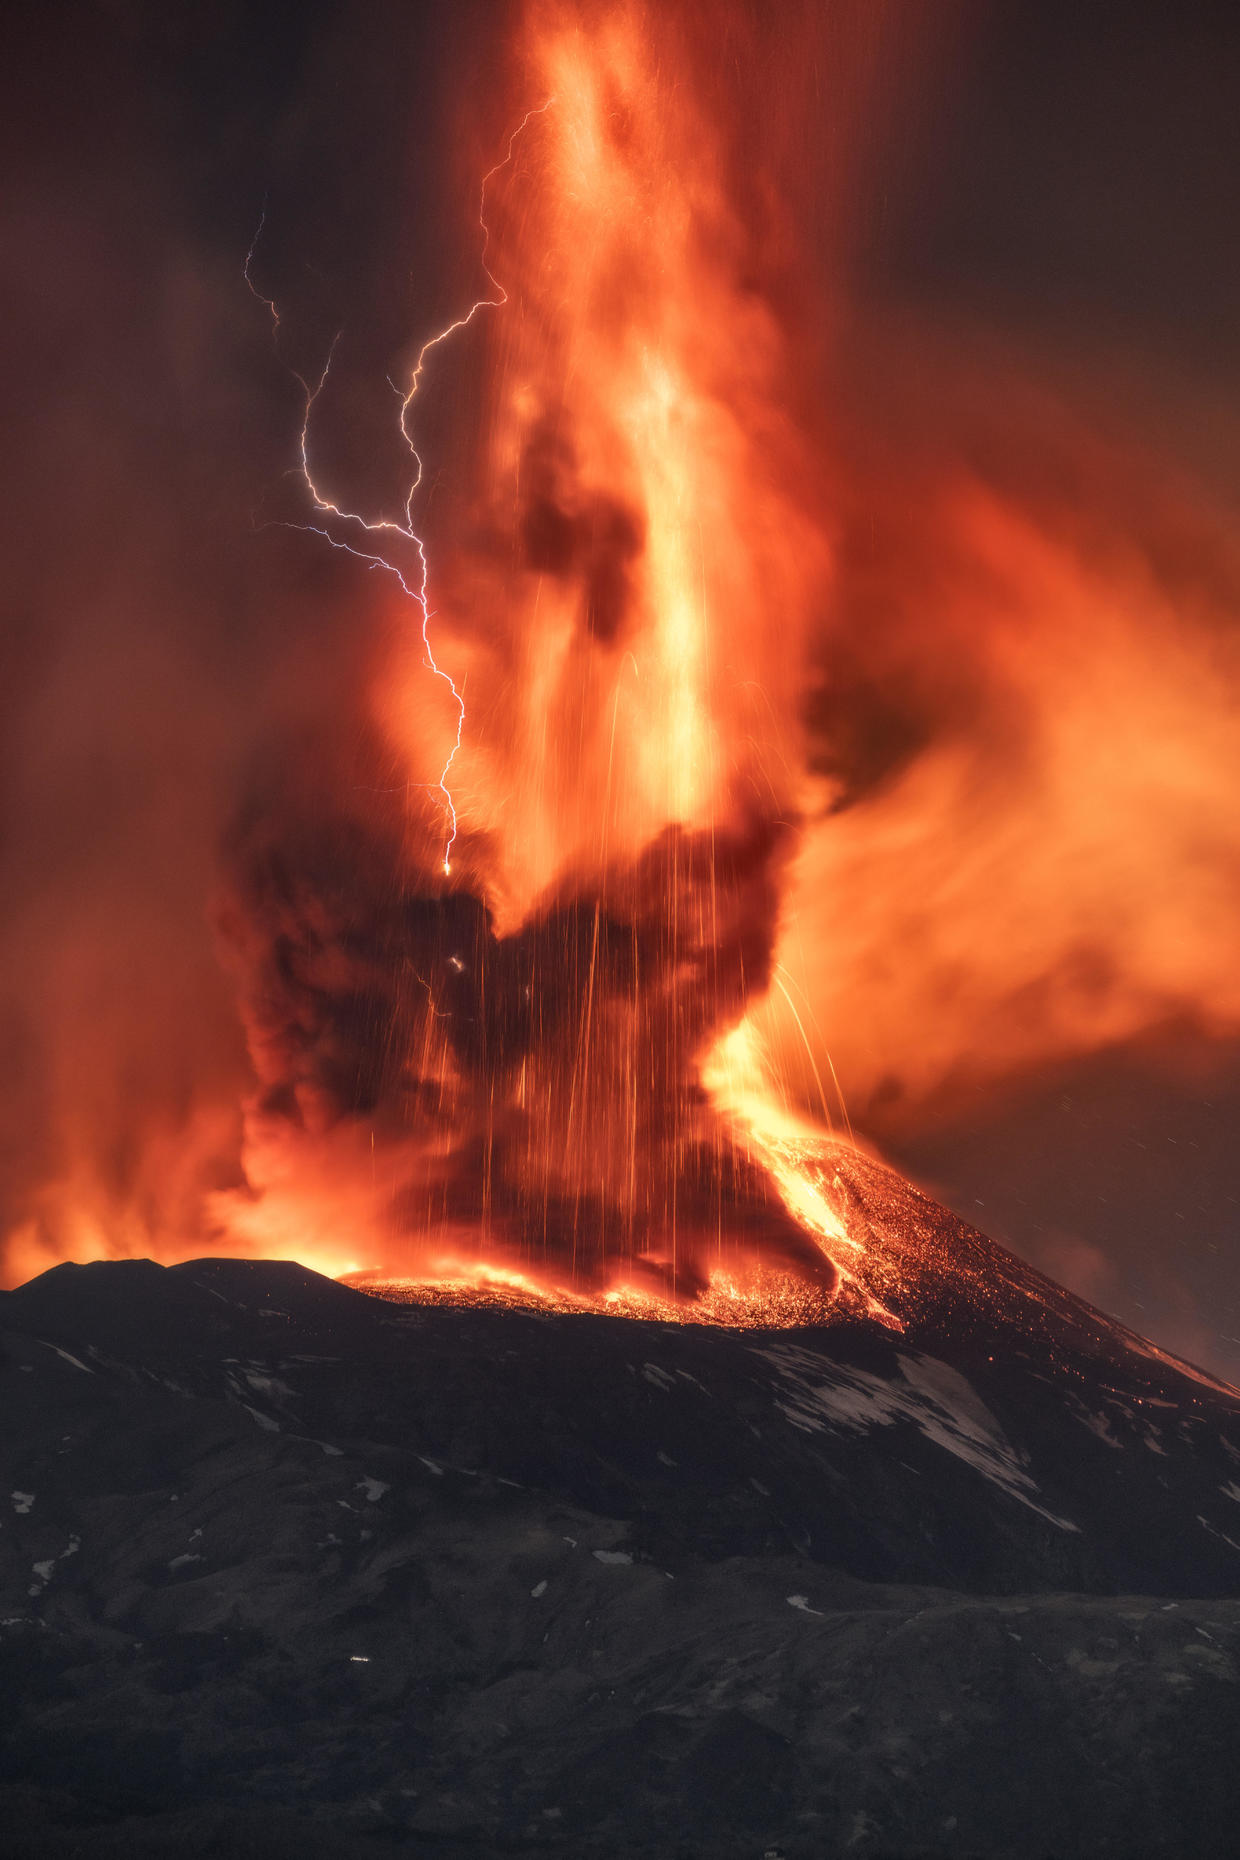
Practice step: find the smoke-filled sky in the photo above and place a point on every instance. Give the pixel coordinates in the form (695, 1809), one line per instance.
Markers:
(1017, 911)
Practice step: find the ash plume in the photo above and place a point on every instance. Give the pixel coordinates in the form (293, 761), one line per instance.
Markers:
(590, 539)
(536, 1090)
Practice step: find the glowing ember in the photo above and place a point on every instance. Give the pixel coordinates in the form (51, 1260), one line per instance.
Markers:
(759, 1300)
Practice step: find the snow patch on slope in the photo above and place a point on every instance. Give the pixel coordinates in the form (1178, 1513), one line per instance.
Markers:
(941, 1404)
(67, 1356)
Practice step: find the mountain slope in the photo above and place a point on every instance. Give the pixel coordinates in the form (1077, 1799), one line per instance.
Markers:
(281, 1562)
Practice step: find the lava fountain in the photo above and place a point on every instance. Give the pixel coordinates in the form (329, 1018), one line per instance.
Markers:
(504, 1035)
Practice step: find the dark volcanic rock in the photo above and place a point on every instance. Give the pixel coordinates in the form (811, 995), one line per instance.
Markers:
(285, 1568)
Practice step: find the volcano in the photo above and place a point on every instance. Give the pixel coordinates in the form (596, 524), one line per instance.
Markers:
(649, 1470)
(291, 1567)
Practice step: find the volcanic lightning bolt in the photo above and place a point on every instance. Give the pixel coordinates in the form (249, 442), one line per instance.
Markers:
(380, 527)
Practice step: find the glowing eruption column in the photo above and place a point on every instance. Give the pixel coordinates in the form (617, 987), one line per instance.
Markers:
(629, 611)
(655, 621)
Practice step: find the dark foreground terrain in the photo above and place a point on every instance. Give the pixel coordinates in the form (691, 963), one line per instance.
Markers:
(287, 1570)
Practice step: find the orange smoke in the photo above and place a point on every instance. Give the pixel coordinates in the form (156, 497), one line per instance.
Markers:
(630, 602)
(625, 605)
(1035, 627)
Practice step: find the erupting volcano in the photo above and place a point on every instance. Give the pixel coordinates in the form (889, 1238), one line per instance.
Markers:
(739, 706)
(682, 711)
(514, 989)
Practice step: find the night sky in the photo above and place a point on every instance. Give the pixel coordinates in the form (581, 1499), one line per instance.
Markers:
(1061, 182)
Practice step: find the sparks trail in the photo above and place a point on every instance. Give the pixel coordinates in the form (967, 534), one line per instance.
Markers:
(418, 592)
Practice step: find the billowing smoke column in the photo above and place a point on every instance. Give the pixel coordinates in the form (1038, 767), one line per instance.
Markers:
(500, 1010)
